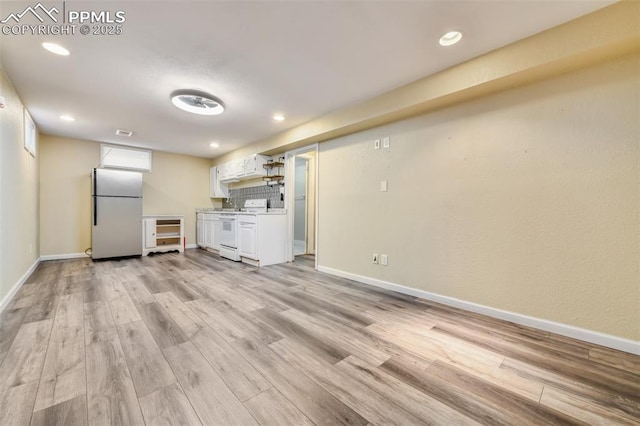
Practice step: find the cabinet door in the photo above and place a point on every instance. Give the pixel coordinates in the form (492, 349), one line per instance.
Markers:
(247, 241)
(223, 171)
(200, 233)
(150, 233)
(238, 168)
(218, 189)
(213, 181)
(208, 233)
(230, 173)
(254, 166)
(217, 230)
(250, 164)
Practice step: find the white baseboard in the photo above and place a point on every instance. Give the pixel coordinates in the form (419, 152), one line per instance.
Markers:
(63, 256)
(7, 298)
(602, 339)
(81, 255)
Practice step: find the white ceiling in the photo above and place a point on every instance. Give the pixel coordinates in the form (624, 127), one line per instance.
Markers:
(301, 58)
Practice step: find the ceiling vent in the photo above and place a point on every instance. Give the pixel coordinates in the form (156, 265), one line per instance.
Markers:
(121, 132)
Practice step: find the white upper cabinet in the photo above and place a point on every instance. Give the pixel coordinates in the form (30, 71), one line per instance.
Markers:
(248, 167)
(238, 168)
(216, 187)
(222, 171)
(254, 165)
(225, 173)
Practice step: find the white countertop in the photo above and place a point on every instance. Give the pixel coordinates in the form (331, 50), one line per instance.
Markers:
(213, 211)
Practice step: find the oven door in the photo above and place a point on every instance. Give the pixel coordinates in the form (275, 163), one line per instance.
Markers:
(229, 231)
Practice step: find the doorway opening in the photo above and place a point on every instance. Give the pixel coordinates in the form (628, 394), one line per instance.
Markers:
(301, 195)
(304, 210)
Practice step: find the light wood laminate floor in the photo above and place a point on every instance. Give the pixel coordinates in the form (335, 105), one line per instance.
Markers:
(194, 339)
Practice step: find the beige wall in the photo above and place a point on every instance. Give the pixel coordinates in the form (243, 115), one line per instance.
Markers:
(599, 36)
(18, 194)
(177, 185)
(526, 201)
(65, 194)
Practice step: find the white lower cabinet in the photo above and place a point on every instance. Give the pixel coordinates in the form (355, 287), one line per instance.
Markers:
(217, 230)
(262, 238)
(149, 229)
(208, 232)
(162, 234)
(206, 225)
(200, 231)
(248, 236)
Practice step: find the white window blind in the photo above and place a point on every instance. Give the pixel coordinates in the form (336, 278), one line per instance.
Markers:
(122, 157)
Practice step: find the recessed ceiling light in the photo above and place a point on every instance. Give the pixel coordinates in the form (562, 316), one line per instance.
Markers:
(450, 38)
(67, 117)
(214, 145)
(56, 48)
(278, 117)
(197, 102)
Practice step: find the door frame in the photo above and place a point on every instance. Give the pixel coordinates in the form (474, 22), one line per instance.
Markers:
(306, 201)
(290, 198)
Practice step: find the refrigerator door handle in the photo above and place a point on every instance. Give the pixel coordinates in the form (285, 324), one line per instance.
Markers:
(95, 202)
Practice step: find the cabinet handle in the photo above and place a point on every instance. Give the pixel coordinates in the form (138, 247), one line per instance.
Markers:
(95, 200)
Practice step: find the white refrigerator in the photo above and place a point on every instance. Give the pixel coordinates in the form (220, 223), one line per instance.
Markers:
(116, 213)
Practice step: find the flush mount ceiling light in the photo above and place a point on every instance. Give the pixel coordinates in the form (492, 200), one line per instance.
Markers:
(278, 117)
(67, 117)
(56, 48)
(214, 145)
(450, 38)
(197, 102)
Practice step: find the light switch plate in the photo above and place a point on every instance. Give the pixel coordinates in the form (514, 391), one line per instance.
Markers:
(386, 142)
(383, 186)
(384, 260)
(376, 144)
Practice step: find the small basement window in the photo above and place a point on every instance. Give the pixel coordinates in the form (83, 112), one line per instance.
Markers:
(124, 157)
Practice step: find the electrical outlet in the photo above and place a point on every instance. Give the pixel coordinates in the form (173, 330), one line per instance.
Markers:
(376, 144)
(375, 258)
(386, 142)
(384, 260)
(383, 186)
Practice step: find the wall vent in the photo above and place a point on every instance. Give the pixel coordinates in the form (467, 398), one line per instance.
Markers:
(121, 132)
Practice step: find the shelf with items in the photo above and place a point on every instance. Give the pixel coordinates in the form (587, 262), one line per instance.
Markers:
(273, 178)
(274, 166)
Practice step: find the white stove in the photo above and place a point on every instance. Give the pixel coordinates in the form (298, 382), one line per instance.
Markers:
(255, 206)
(230, 228)
(228, 236)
